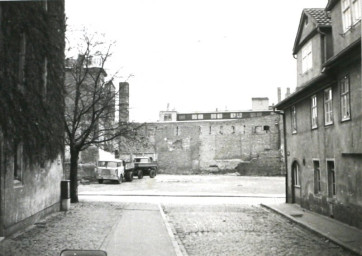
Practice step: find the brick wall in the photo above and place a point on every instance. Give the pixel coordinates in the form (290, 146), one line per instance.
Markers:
(250, 146)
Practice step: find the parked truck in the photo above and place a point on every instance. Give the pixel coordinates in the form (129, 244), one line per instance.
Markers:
(114, 170)
(145, 165)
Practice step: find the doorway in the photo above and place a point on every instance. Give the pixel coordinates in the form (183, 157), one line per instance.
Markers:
(296, 183)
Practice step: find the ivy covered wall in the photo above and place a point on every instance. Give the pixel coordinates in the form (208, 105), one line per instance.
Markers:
(31, 111)
(32, 77)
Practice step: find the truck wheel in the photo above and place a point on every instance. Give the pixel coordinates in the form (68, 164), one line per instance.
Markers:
(100, 181)
(152, 174)
(140, 174)
(129, 176)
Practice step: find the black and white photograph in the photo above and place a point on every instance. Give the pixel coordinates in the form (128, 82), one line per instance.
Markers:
(180, 128)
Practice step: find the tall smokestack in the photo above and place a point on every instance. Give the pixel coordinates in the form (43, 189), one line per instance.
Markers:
(279, 94)
(123, 102)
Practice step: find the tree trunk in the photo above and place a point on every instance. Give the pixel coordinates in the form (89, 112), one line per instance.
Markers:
(74, 153)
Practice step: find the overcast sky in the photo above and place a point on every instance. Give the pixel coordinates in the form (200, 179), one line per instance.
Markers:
(197, 55)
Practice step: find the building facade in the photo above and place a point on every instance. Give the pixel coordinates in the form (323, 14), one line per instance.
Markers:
(247, 142)
(31, 111)
(323, 117)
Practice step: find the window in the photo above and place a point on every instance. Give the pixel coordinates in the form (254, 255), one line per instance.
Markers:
(331, 179)
(307, 62)
(236, 115)
(181, 117)
(345, 102)
(167, 117)
(18, 162)
(296, 174)
(328, 111)
(356, 10)
(351, 13)
(216, 116)
(317, 177)
(294, 120)
(197, 116)
(314, 112)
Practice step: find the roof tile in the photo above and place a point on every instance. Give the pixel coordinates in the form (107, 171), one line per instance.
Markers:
(321, 17)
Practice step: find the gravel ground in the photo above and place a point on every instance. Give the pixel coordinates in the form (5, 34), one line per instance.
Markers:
(85, 226)
(243, 230)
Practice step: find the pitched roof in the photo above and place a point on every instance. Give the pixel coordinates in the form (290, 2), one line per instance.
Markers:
(320, 16)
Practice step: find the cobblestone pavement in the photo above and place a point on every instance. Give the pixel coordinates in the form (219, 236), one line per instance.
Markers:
(243, 230)
(85, 226)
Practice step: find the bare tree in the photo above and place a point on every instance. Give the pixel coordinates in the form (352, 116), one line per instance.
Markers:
(90, 104)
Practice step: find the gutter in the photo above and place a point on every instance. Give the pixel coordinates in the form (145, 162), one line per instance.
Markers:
(282, 113)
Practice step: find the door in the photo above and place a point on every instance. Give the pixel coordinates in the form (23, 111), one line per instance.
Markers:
(296, 184)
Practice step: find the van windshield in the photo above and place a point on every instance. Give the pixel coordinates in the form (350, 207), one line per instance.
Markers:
(109, 164)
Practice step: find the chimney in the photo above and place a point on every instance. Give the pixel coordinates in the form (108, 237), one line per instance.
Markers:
(279, 94)
(123, 102)
(287, 93)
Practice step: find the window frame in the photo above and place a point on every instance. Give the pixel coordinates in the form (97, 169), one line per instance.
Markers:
(314, 111)
(307, 57)
(345, 98)
(236, 115)
(331, 179)
(356, 11)
(317, 177)
(167, 117)
(296, 174)
(351, 13)
(328, 105)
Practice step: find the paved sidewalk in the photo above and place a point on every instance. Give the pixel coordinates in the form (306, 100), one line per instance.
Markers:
(344, 235)
(141, 230)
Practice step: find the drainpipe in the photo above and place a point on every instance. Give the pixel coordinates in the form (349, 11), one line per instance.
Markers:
(285, 152)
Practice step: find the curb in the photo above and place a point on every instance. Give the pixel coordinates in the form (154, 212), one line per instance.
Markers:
(314, 230)
(177, 244)
(184, 195)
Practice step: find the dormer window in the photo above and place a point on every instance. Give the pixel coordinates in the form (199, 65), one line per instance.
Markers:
(351, 13)
(307, 62)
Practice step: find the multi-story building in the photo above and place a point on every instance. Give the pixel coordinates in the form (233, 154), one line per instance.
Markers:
(31, 111)
(323, 117)
(85, 78)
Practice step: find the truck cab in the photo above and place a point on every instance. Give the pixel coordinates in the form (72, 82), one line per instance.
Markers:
(110, 170)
